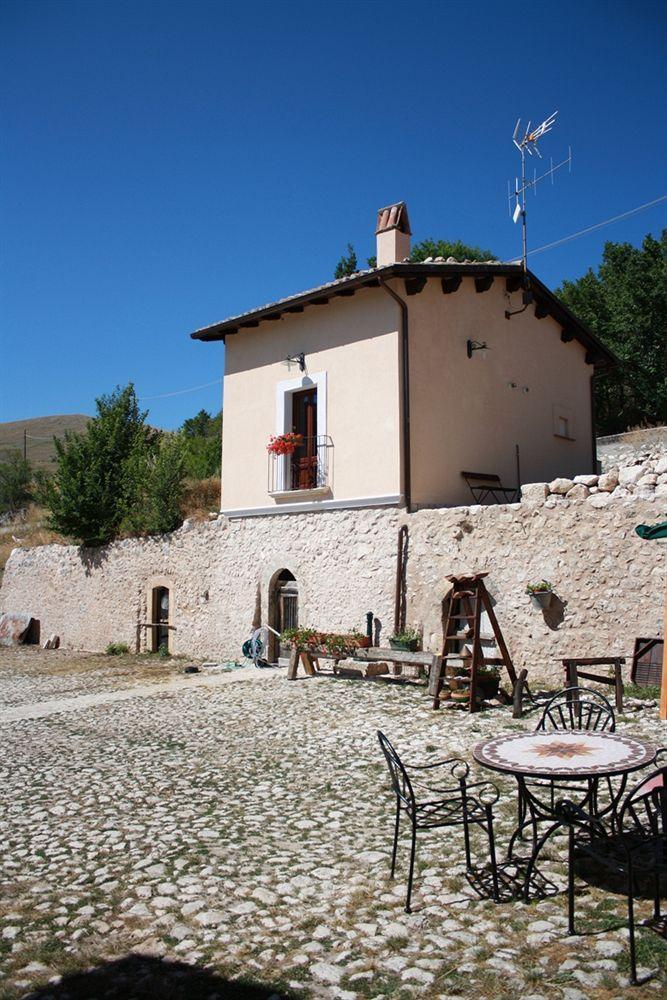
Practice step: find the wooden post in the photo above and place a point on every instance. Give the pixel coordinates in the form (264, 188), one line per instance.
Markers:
(517, 710)
(293, 664)
(663, 687)
(618, 678)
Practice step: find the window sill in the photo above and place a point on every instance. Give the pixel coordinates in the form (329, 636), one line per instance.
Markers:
(314, 494)
(564, 437)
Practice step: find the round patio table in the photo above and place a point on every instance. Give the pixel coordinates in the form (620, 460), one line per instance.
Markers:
(579, 756)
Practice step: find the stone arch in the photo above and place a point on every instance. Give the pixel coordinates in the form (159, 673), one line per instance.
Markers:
(283, 598)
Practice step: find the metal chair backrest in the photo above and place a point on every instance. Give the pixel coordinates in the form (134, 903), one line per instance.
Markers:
(577, 708)
(399, 776)
(645, 807)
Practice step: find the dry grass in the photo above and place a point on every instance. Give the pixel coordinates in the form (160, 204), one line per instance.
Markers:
(201, 497)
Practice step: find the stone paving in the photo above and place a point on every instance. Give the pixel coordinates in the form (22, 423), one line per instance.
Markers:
(242, 825)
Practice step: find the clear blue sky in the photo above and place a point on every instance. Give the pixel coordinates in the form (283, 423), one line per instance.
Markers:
(166, 164)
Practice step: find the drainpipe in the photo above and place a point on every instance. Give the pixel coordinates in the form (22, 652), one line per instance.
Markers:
(405, 387)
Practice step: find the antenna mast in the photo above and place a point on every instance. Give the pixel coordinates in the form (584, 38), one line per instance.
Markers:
(528, 144)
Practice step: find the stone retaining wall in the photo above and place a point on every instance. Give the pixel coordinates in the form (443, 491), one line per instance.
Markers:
(609, 584)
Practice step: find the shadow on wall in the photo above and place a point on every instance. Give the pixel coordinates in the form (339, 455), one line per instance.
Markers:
(143, 976)
(555, 613)
(93, 558)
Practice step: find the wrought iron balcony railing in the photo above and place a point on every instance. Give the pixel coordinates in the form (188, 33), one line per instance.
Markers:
(309, 467)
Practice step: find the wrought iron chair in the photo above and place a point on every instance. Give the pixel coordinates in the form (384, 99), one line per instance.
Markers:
(577, 708)
(573, 708)
(636, 846)
(449, 800)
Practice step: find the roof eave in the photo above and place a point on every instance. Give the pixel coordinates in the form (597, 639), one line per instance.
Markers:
(597, 354)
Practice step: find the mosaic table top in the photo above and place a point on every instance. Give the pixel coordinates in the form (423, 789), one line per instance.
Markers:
(564, 754)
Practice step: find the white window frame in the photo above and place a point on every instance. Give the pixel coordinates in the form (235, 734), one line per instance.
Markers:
(284, 391)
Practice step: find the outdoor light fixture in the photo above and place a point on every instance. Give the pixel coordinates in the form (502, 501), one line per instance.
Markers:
(474, 345)
(297, 359)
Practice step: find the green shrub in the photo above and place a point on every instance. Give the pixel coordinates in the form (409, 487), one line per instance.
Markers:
(15, 477)
(117, 649)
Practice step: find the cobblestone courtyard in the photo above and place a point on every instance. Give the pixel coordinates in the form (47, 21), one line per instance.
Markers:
(242, 824)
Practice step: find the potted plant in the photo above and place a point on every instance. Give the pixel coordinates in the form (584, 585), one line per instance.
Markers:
(540, 594)
(408, 639)
(284, 444)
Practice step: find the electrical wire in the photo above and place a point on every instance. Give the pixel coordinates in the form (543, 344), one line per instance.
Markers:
(180, 392)
(598, 225)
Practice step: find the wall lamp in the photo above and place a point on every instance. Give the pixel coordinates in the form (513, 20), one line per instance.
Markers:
(474, 345)
(297, 359)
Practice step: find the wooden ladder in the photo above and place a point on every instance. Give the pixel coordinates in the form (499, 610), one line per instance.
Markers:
(465, 602)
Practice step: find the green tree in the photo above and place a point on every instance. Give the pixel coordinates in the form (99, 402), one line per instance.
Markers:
(95, 486)
(347, 264)
(158, 474)
(201, 436)
(444, 248)
(625, 304)
(15, 481)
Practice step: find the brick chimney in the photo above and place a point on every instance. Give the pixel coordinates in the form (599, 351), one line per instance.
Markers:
(393, 234)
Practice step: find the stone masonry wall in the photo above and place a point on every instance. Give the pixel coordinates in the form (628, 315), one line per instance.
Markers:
(609, 583)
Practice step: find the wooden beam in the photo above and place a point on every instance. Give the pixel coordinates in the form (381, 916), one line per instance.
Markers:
(294, 309)
(250, 322)
(452, 284)
(346, 292)
(566, 335)
(322, 301)
(541, 309)
(484, 283)
(413, 286)
(513, 283)
(273, 316)
(590, 358)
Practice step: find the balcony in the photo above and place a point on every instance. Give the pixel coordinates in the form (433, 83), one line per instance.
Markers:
(308, 472)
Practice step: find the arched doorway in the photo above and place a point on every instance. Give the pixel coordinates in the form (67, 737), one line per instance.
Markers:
(283, 609)
(160, 619)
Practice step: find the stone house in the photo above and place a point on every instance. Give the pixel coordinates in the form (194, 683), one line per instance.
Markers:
(399, 378)
(394, 398)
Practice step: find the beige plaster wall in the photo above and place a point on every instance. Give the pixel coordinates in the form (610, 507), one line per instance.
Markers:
(465, 414)
(355, 341)
(609, 583)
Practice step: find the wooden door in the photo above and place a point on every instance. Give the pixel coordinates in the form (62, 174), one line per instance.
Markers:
(304, 422)
(160, 618)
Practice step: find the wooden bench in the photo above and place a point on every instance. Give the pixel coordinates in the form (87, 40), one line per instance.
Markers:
(422, 661)
(487, 488)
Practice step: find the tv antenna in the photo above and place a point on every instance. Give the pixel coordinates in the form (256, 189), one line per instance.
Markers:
(528, 144)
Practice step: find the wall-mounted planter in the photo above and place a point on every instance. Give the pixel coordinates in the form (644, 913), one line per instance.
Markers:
(541, 599)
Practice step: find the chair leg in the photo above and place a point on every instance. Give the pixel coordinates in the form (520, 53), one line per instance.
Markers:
(411, 872)
(631, 925)
(396, 825)
(492, 851)
(570, 882)
(466, 834)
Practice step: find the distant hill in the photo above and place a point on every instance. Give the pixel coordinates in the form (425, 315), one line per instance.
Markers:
(40, 433)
